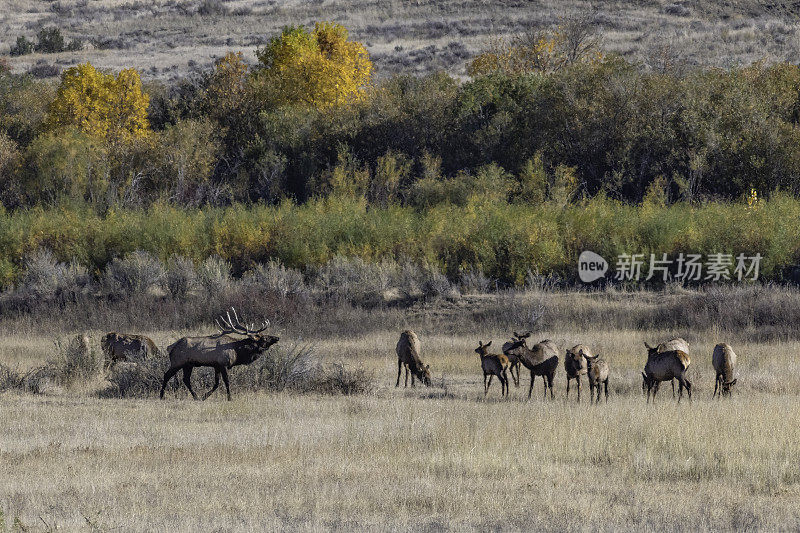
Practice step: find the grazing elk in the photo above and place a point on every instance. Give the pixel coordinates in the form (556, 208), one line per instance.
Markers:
(493, 365)
(408, 349)
(597, 374)
(220, 352)
(575, 365)
(724, 361)
(541, 360)
(513, 360)
(664, 366)
(125, 347)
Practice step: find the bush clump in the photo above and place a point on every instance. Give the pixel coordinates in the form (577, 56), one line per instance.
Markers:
(180, 277)
(136, 273)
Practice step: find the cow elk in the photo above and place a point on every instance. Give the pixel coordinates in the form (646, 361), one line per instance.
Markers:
(493, 365)
(724, 361)
(220, 352)
(541, 360)
(575, 365)
(125, 347)
(597, 374)
(678, 343)
(665, 366)
(408, 350)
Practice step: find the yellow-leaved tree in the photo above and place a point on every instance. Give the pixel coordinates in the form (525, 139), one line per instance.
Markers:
(320, 68)
(101, 105)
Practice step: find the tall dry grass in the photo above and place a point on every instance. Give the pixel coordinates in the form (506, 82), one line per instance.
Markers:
(399, 462)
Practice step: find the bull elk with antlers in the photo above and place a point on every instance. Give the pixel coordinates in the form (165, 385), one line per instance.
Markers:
(220, 352)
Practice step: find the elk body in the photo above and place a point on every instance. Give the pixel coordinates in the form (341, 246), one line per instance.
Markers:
(125, 347)
(665, 366)
(597, 374)
(724, 361)
(493, 365)
(513, 360)
(575, 365)
(408, 350)
(678, 343)
(541, 360)
(220, 352)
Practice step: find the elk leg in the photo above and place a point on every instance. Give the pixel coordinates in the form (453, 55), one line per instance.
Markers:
(168, 376)
(399, 371)
(406, 384)
(489, 385)
(598, 391)
(505, 381)
(485, 388)
(716, 384)
(530, 390)
(578, 380)
(187, 379)
(567, 396)
(550, 384)
(224, 372)
(216, 384)
(673, 388)
(412, 380)
(516, 379)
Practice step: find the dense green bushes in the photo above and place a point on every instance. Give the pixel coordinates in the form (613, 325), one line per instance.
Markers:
(503, 241)
(605, 127)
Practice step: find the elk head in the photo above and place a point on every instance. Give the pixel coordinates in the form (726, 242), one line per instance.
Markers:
(482, 349)
(726, 387)
(257, 344)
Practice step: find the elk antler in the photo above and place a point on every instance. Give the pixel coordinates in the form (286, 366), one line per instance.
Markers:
(234, 325)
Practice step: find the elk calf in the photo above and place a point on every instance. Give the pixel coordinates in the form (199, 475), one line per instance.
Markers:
(666, 366)
(724, 361)
(408, 349)
(575, 365)
(493, 365)
(597, 373)
(513, 360)
(541, 360)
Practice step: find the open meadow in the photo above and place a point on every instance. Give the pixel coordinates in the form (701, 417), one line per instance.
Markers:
(431, 458)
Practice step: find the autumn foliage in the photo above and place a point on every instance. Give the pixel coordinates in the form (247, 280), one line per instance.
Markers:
(319, 68)
(101, 105)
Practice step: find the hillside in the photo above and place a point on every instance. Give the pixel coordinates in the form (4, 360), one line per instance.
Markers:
(166, 39)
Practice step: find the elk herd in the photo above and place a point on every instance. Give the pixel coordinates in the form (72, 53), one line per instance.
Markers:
(667, 361)
(238, 344)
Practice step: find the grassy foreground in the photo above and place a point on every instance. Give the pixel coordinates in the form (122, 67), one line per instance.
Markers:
(400, 462)
(427, 458)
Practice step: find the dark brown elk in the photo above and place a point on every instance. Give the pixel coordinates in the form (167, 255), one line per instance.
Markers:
(665, 366)
(125, 347)
(493, 365)
(220, 352)
(541, 360)
(597, 374)
(513, 360)
(575, 365)
(408, 350)
(724, 361)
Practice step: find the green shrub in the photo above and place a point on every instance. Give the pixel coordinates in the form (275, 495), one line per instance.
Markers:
(22, 47)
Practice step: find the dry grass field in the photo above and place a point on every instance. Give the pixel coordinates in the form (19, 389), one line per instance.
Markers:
(169, 38)
(438, 458)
